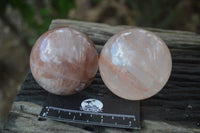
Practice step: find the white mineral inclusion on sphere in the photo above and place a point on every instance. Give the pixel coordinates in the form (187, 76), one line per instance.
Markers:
(135, 64)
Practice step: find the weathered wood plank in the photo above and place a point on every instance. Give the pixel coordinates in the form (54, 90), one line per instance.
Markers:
(25, 113)
(174, 109)
(100, 33)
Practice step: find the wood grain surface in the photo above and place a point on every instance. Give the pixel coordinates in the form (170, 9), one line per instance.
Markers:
(175, 109)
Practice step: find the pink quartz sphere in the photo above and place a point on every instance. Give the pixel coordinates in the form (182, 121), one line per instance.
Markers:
(135, 64)
(64, 61)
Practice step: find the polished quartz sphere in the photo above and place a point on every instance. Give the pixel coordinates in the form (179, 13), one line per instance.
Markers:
(64, 61)
(135, 64)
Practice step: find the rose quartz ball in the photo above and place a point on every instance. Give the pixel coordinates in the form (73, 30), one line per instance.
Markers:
(63, 61)
(135, 64)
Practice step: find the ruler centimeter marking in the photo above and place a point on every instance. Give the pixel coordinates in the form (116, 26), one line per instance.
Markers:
(90, 113)
(114, 117)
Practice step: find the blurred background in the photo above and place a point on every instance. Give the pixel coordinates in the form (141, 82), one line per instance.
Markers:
(23, 21)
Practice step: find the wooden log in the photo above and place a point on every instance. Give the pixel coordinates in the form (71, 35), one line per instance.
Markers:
(174, 109)
(23, 119)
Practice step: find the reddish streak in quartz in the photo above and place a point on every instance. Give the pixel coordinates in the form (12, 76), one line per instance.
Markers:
(126, 76)
(135, 64)
(64, 61)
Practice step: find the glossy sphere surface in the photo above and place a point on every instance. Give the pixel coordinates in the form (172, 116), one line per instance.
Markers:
(63, 61)
(135, 64)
